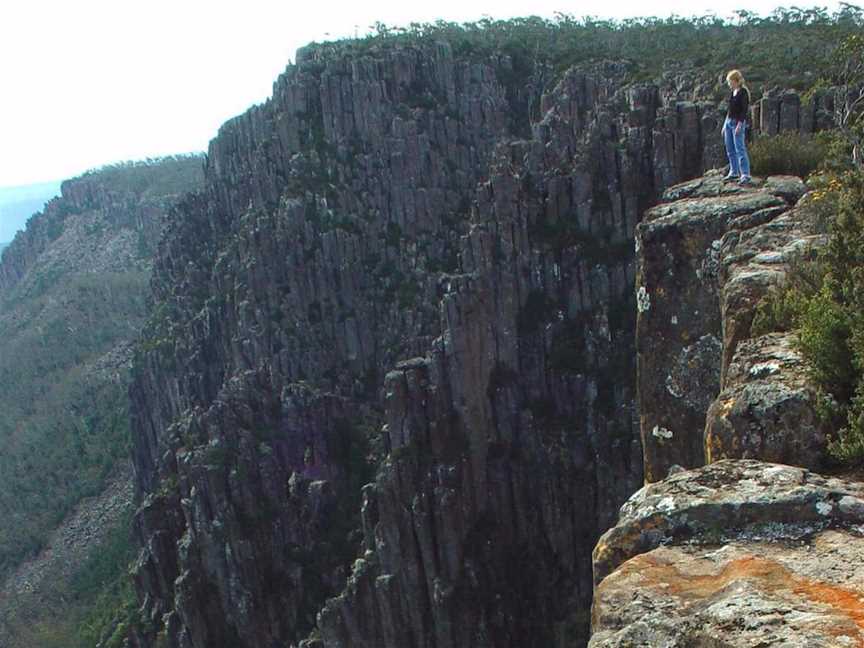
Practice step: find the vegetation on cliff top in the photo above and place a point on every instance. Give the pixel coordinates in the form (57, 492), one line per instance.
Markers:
(168, 175)
(769, 48)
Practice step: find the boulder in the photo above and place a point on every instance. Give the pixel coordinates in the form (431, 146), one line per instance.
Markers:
(756, 593)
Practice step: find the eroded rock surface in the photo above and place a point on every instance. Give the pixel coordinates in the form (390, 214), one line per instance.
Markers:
(754, 260)
(736, 553)
(767, 408)
(742, 595)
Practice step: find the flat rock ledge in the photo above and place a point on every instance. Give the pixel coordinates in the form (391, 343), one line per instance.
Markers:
(736, 553)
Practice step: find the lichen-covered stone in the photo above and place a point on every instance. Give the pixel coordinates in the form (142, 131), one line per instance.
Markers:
(768, 408)
(728, 501)
(679, 348)
(755, 260)
(736, 553)
(798, 594)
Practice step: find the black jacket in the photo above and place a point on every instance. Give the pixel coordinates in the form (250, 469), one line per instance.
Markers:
(739, 105)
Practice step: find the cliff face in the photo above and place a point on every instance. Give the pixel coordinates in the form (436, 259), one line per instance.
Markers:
(741, 551)
(384, 397)
(708, 254)
(680, 331)
(123, 226)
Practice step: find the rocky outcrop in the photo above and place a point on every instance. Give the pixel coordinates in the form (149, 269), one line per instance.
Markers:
(397, 324)
(784, 112)
(708, 389)
(680, 328)
(767, 408)
(99, 222)
(737, 553)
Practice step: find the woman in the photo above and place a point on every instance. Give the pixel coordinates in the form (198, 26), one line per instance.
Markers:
(734, 128)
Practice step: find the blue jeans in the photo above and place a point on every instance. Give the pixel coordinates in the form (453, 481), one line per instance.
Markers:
(736, 148)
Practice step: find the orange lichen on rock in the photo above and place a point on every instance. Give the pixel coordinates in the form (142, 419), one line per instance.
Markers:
(691, 587)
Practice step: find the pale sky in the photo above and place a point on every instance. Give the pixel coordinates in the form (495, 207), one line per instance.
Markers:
(90, 82)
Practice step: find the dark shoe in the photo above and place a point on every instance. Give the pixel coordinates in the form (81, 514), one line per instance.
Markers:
(745, 180)
(730, 177)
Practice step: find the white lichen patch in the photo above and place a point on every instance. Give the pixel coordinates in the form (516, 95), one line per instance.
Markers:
(674, 319)
(661, 432)
(643, 300)
(764, 369)
(824, 508)
(780, 473)
(710, 263)
(673, 388)
(666, 504)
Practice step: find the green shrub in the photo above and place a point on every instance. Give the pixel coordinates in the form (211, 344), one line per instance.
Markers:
(823, 338)
(781, 309)
(847, 446)
(789, 153)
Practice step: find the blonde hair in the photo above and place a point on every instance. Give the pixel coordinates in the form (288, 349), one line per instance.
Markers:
(735, 75)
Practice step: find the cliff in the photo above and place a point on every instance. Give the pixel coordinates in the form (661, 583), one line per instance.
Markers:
(753, 548)
(386, 393)
(708, 253)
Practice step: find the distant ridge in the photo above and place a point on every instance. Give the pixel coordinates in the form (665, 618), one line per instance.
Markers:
(18, 203)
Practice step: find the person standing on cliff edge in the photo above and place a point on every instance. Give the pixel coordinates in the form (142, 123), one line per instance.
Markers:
(734, 128)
